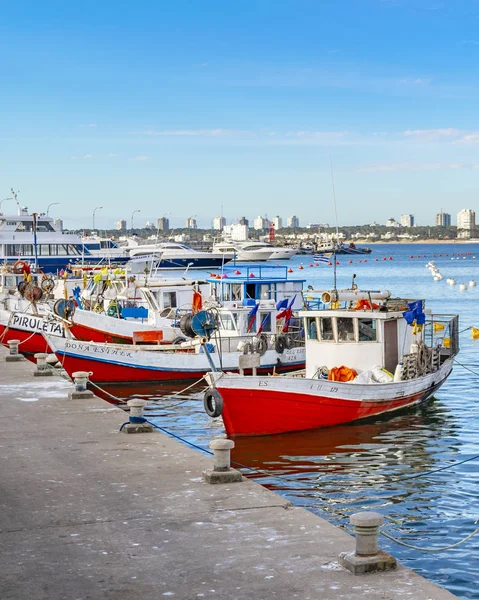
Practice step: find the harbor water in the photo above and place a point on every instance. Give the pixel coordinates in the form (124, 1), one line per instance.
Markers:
(386, 464)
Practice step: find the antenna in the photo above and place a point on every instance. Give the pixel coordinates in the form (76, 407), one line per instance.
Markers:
(336, 216)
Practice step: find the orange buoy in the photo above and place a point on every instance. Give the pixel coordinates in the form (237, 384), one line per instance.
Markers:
(351, 262)
(390, 258)
(237, 272)
(251, 274)
(311, 265)
(411, 256)
(290, 270)
(330, 263)
(384, 258)
(301, 267)
(337, 262)
(360, 261)
(377, 259)
(365, 260)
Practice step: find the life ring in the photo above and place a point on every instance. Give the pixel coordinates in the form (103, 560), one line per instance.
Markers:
(33, 293)
(261, 344)
(21, 267)
(114, 310)
(280, 344)
(47, 284)
(213, 403)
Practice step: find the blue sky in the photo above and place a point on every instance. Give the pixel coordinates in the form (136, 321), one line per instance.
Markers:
(181, 107)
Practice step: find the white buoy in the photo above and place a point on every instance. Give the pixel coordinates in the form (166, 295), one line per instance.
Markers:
(472, 283)
(452, 281)
(462, 287)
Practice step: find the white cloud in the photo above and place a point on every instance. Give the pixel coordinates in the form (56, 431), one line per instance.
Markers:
(140, 158)
(432, 134)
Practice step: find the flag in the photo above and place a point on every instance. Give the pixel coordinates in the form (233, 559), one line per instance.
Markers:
(415, 313)
(252, 316)
(263, 322)
(322, 258)
(287, 314)
(282, 304)
(197, 302)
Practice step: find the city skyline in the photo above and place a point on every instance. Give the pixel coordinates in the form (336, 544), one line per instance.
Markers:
(241, 106)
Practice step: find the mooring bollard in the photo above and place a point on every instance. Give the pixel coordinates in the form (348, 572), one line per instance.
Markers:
(137, 422)
(222, 471)
(13, 355)
(80, 379)
(42, 367)
(367, 557)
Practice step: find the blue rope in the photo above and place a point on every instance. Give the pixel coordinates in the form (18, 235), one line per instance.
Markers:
(134, 420)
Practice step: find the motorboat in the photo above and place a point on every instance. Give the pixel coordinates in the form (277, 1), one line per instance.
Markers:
(172, 255)
(253, 251)
(367, 354)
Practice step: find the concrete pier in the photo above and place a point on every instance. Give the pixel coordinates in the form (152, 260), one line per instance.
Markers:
(88, 513)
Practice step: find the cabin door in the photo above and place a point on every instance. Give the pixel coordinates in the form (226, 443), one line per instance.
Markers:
(390, 345)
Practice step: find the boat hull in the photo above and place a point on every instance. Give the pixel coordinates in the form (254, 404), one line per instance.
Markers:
(117, 363)
(264, 406)
(28, 329)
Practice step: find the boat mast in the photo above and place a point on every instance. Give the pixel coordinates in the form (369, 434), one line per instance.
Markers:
(336, 217)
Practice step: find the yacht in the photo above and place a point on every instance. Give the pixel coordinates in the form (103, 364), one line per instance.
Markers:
(105, 249)
(173, 255)
(34, 238)
(252, 251)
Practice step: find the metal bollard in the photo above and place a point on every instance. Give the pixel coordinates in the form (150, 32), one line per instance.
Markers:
(42, 367)
(222, 471)
(80, 379)
(137, 422)
(367, 558)
(13, 354)
(221, 454)
(13, 346)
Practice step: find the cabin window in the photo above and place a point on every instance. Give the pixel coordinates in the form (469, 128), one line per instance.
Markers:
(236, 291)
(368, 331)
(326, 329)
(312, 329)
(169, 300)
(228, 322)
(265, 320)
(345, 330)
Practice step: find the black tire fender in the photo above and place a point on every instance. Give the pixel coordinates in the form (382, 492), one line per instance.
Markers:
(288, 341)
(178, 340)
(213, 403)
(280, 344)
(248, 348)
(262, 344)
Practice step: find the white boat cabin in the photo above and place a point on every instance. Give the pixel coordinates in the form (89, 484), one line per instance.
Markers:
(352, 334)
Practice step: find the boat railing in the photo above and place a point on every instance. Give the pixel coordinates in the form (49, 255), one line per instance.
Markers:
(250, 343)
(442, 330)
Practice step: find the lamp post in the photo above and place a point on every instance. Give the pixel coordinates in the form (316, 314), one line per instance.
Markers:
(2, 201)
(94, 211)
(52, 204)
(132, 214)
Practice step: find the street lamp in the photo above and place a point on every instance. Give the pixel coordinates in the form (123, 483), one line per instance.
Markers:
(94, 211)
(52, 204)
(2, 201)
(132, 214)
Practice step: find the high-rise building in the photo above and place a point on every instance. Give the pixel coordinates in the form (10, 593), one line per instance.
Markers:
(466, 219)
(58, 224)
(277, 222)
(191, 223)
(260, 223)
(407, 220)
(121, 225)
(237, 232)
(164, 224)
(391, 222)
(219, 223)
(244, 221)
(443, 219)
(293, 222)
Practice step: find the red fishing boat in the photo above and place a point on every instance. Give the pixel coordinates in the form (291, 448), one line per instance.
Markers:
(366, 355)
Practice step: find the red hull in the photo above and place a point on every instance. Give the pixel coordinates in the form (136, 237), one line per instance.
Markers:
(30, 343)
(83, 333)
(106, 372)
(264, 412)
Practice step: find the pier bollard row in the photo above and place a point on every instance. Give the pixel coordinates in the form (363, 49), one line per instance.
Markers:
(42, 367)
(13, 354)
(137, 422)
(222, 471)
(80, 379)
(367, 558)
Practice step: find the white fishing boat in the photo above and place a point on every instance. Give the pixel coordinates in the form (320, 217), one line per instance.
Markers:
(366, 355)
